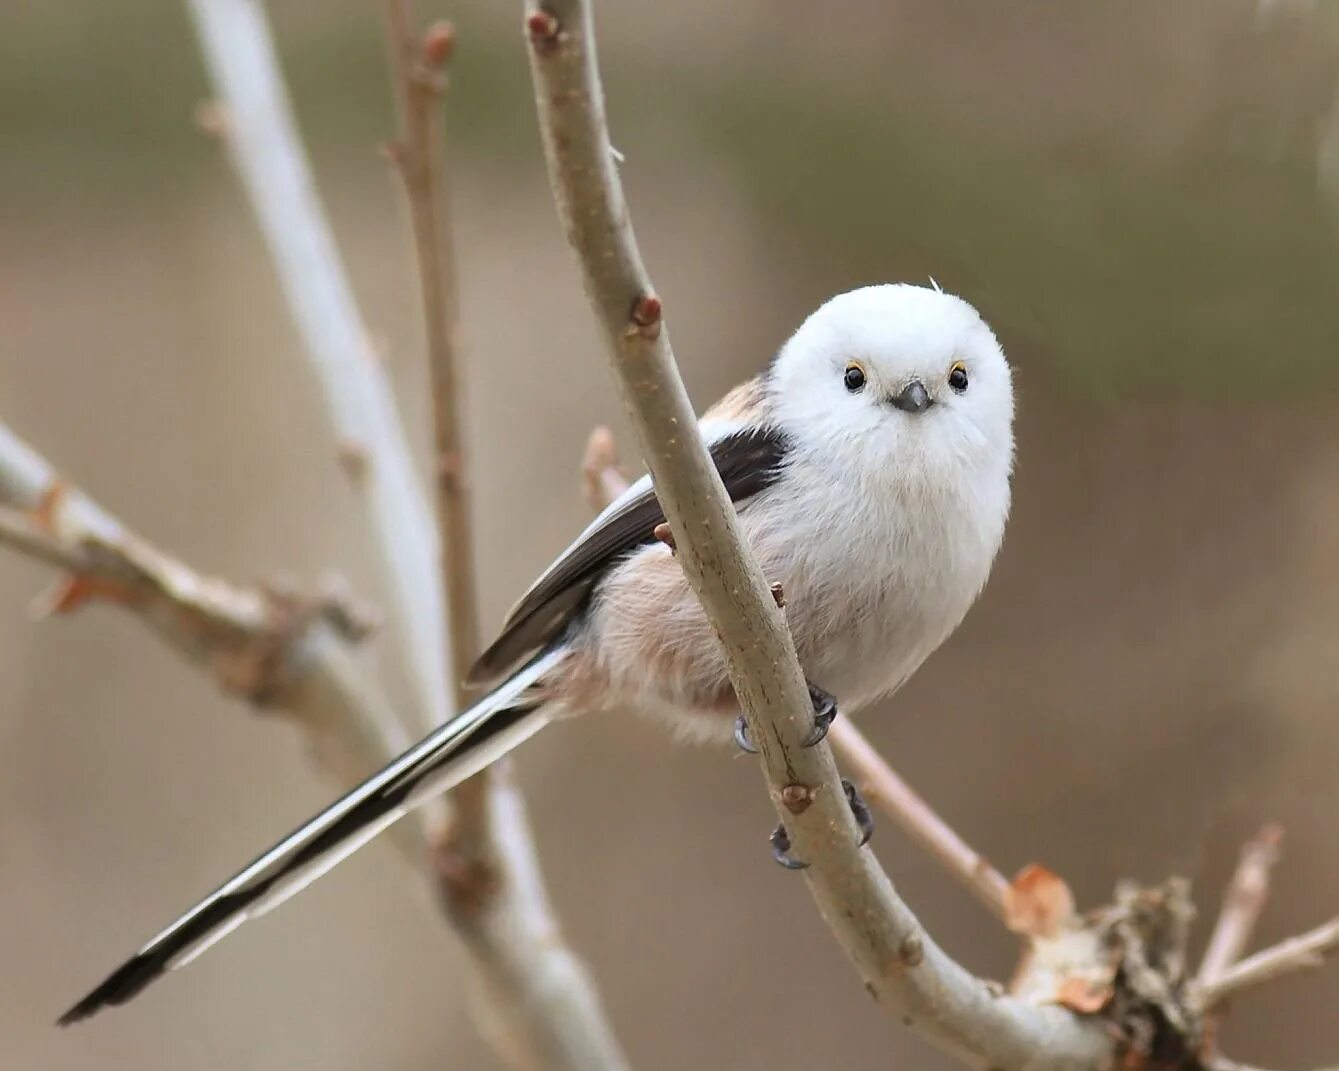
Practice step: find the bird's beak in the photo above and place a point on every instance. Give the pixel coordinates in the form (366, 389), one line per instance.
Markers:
(913, 398)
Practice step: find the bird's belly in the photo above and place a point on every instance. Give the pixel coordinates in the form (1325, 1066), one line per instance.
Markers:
(863, 616)
(865, 646)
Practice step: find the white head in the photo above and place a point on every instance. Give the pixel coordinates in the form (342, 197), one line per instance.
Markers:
(903, 380)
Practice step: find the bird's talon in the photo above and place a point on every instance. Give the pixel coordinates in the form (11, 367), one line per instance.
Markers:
(864, 820)
(742, 736)
(780, 841)
(825, 712)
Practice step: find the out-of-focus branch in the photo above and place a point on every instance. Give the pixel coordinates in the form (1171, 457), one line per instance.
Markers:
(904, 970)
(602, 480)
(1244, 900)
(883, 788)
(265, 149)
(537, 1003)
(277, 650)
(418, 66)
(1304, 952)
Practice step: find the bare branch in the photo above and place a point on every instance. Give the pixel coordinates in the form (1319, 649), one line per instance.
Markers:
(904, 970)
(419, 68)
(22, 531)
(882, 786)
(1243, 902)
(277, 650)
(267, 153)
(1304, 952)
(602, 480)
(885, 789)
(537, 1004)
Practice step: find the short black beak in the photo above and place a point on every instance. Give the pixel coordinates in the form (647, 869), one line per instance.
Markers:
(914, 398)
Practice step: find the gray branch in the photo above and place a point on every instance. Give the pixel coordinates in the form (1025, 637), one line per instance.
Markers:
(902, 967)
(278, 650)
(536, 992)
(263, 143)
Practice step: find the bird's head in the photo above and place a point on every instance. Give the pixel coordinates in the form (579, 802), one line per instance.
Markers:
(901, 378)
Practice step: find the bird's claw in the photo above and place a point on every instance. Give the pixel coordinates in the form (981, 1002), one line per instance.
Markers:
(780, 841)
(864, 820)
(825, 712)
(742, 736)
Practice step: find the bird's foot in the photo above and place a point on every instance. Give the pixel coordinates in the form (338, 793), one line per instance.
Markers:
(825, 711)
(742, 737)
(864, 820)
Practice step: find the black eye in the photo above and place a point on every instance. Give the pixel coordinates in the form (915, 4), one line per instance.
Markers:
(957, 376)
(853, 377)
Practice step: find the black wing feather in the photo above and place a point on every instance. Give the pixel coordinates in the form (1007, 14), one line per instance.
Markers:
(748, 461)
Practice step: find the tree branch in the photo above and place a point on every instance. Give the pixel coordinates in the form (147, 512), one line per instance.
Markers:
(265, 150)
(1299, 953)
(883, 788)
(274, 649)
(419, 74)
(902, 967)
(537, 1004)
(1243, 902)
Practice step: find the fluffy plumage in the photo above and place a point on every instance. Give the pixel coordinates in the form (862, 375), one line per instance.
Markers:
(870, 466)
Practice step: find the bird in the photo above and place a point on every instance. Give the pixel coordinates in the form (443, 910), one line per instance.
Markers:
(870, 464)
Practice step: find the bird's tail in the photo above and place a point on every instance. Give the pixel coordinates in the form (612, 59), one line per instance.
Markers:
(450, 754)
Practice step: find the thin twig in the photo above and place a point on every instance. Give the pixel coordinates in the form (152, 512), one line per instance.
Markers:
(1304, 952)
(20, 530)
(602, 480)
(418, 77)
(537, 1004)
(418, 65)
(883, 788)
(265, 150)
(903, 969)
(1244, 900)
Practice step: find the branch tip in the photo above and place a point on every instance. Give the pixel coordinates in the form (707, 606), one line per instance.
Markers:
(439, 45)
(543, 29)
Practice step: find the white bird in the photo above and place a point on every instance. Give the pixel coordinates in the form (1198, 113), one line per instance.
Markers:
(870, 466)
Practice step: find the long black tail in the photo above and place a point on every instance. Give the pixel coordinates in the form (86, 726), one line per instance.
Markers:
(444, 758)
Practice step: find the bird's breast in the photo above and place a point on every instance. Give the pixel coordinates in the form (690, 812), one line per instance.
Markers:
(875, 581)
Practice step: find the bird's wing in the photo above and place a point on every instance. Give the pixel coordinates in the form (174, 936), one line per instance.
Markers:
(748, 459)
(457, 750)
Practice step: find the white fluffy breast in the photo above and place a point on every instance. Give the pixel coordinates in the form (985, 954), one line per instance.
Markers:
(876, 577)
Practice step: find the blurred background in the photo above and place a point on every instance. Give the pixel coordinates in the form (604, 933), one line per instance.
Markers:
(1134, 194)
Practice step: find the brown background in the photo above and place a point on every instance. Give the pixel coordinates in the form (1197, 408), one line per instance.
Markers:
(1130, 193)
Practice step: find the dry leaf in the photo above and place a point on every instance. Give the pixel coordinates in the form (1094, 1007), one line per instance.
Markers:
(1038, 903)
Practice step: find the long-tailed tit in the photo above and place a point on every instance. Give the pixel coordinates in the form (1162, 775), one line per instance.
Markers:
(870, 467)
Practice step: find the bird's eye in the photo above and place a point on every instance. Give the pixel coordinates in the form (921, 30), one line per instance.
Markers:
(854, 378)
(957, 376)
